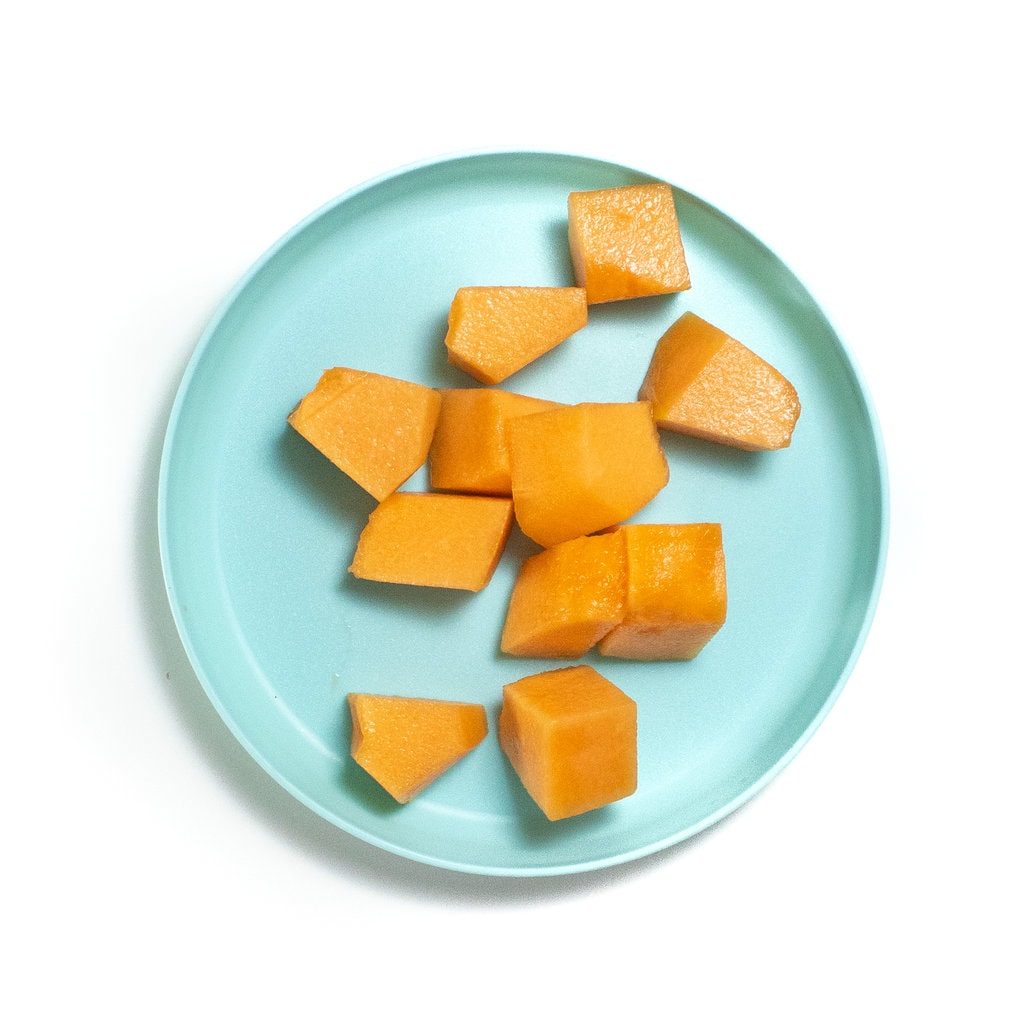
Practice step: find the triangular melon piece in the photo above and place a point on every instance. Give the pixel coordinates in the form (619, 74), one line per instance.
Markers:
(406, 743)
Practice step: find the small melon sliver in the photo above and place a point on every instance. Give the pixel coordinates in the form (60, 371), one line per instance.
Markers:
(406, 743)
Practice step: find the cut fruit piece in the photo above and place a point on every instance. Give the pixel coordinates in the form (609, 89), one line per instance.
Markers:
(495, 331)
(571, 736)
(625, 242)
(675, 592)
(376, 429)
(469, 452)
(433, 540)
(406, 743)
(581, 468)
(703, 382)
(567, 598)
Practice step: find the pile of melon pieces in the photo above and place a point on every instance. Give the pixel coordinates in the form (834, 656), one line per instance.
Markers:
(570, 476)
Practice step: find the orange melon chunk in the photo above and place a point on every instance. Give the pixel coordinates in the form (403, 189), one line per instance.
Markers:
(675, 592)
(406, 743)
(495, 331)
(376, 429)
(469, 452)
(625, 242)
(567, 597)
(570, 734)
(433, 540)
(581, 468)
(703, 382)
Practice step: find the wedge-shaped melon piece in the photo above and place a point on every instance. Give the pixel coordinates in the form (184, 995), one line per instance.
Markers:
(675, 592)
(375, 428)
(703, 382)
(406, 743)
(571, 736)
(581, 468)
(567, 597)
(625, 242)
(493, 331)
(433, 540)
(469, 452)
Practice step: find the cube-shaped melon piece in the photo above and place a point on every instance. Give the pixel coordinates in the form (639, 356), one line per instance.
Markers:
(703, 382)
(625, 242)
(571, 736)
(375, 428)
(675, 592)
(493, 331)
(567, 597)
(406, 743)
(433, 540)
(469, 452)
(581, 468)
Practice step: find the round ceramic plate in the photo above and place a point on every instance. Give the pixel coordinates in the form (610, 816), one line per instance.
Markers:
(257, 529)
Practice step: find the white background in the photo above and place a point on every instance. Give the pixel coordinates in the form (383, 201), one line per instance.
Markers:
(150, 870)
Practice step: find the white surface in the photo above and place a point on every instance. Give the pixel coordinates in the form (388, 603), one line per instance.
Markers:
(150, 870)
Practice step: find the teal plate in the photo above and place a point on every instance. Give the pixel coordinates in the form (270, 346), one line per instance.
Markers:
(257, 528)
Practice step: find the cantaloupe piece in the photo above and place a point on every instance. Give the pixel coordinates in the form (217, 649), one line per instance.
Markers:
(469, 452)
(581, 468)
(625, 242)
(567, 597)
(493, 331)
(675, 592)
(703, 382)
(433, 540)
(375, 428)
(406, 743)
(571, 736)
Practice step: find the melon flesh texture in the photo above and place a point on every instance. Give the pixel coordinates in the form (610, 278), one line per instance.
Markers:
(376, 429)
(493, 331)
(625, 242)
(571, 736)
(469, 452)
(582, 468)
(433, 540)
(676, 597)
(705, 383)
(406, 743)
(566, 598)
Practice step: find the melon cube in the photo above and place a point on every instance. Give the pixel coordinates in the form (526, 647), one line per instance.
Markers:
(705, 383)
(581, 468)
(493, 331)
(469, 452)
(567, 597)
(675, 592)
(433, 540)
(571, 736)
(406, 743)
(376, 429)
(625, 242)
